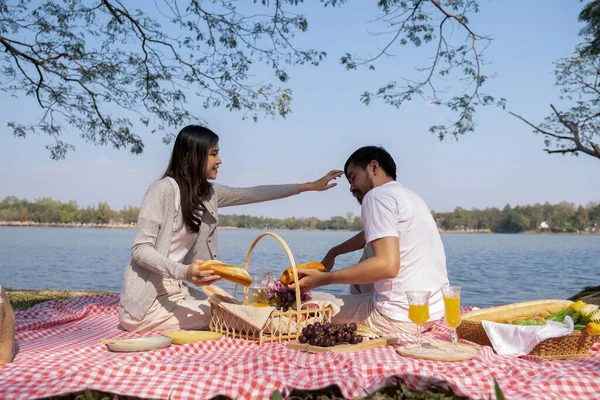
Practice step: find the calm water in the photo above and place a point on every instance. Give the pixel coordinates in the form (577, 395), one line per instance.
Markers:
(492, 269)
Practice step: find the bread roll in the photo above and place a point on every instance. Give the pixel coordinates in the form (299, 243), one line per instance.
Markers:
(515, 311)
(287, 277)
(228, 272)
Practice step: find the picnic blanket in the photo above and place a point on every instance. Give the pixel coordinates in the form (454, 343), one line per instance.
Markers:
(59, 352)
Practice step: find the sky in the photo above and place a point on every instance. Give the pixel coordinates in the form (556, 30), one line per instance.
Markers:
(501, 163)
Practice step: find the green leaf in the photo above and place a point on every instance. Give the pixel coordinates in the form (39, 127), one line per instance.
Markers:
(499, 395)
(276, 395)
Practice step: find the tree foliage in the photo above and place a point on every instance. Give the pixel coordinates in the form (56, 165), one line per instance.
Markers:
(87, 63)
(575, 129)
(590, 16)
(46, 210)
(107, 71)
(457, 52)
(248, 221)
(562, 217)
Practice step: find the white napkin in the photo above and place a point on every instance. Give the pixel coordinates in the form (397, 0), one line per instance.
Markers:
(518, 340)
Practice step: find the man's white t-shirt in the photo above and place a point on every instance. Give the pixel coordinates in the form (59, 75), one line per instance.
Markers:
(393, 210)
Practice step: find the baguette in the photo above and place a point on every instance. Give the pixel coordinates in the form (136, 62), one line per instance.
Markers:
(287, 278)
(228, 272)
(515, 311)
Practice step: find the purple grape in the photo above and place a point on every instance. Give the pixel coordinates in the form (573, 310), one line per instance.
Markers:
(303, 339)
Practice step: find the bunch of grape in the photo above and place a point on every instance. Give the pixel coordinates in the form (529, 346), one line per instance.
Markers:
(327, 335)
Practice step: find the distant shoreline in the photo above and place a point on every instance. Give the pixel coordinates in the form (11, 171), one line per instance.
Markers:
(33, 224)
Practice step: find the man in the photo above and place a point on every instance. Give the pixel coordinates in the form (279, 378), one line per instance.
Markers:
(403, 250)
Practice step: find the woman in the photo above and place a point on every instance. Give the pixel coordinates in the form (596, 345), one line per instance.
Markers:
(177, 230)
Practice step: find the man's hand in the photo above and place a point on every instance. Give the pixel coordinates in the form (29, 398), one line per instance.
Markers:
(309, 279)
(328, 261)
(200, 278)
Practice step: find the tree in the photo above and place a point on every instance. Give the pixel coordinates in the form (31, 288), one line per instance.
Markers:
(574, 130)
(590, 15)
(81, 60)
(130, 214)
(357, 224)
(337, 222)
(421, 22)
(581, 218)
(68, 212)
(103, 213)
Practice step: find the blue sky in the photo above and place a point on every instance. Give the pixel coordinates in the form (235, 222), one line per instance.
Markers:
(502, 162)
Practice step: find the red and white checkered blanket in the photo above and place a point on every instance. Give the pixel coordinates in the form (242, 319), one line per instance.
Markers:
(59, 352)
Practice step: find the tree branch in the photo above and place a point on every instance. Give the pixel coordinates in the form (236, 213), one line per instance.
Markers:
(459, 19)
(537, 128)
(573, 128)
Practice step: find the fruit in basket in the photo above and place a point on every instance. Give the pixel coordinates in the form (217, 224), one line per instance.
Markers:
(584, 316)
(287, 278)
(593, 328)
(228, 272)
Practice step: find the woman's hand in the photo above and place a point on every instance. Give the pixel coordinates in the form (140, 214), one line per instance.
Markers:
(200, 278)
(323, 183)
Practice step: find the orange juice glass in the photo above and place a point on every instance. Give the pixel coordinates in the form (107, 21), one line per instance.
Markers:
(452, 305)
(418, 312)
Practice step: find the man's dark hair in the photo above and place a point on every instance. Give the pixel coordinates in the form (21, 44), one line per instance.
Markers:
(363, 156)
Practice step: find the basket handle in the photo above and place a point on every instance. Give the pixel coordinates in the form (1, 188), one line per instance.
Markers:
(292, 262)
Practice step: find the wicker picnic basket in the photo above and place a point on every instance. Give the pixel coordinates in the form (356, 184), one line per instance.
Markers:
(575, 345)
(281, 325)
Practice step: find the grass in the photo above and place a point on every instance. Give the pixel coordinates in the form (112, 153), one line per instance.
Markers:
(24, 299)
(395, 390)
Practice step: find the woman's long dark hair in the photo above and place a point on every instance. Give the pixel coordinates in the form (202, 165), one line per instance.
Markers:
(188, 167)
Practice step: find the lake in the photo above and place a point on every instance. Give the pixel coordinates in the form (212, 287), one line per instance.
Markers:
(492, 268)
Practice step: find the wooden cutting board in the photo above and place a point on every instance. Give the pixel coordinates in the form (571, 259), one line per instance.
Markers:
(439, 351)
(344, 348)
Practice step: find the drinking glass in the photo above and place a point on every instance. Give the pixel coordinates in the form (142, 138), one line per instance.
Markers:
(418, 312)
(452, 306)
(258, 290)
